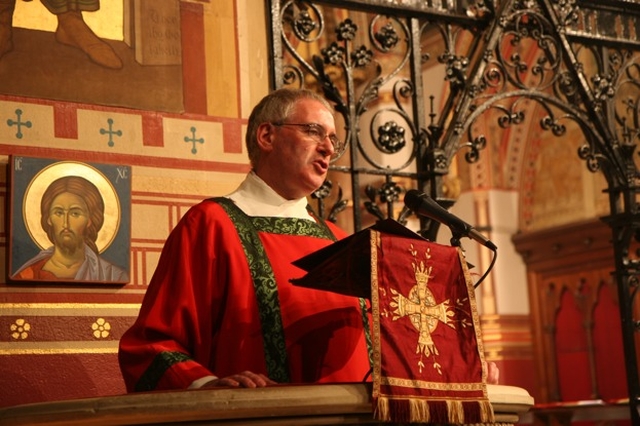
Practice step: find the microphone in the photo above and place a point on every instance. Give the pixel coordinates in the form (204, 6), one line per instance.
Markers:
(423, 205)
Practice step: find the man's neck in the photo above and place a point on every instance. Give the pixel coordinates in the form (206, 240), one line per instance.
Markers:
(256, 198)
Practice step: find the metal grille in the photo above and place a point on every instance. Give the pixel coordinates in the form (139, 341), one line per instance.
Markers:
(571, 65)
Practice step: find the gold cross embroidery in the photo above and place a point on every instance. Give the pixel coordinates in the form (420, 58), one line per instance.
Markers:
(422, 309)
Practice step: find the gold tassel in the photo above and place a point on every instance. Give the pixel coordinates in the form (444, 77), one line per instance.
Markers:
(419, 410)
(486, 411)
(382, 409)
(455, 411)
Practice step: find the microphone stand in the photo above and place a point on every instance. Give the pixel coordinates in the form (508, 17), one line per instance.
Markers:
(455, 242)
(455, 239)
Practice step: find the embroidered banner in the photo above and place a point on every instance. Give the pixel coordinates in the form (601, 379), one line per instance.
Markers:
(428, 355)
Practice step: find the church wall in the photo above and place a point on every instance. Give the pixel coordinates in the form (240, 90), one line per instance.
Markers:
(59, 340)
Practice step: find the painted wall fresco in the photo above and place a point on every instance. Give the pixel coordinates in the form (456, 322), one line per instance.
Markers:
(175, 129)
(141, 68)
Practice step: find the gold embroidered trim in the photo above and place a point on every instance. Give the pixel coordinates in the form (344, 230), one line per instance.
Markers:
(408, 383)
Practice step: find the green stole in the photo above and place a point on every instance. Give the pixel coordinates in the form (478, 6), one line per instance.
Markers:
(264, 281)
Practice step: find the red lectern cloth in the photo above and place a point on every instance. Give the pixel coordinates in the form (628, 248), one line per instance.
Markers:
(428, 362)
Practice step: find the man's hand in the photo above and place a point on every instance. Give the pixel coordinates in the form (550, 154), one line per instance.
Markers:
(493, 373)
(246, 379)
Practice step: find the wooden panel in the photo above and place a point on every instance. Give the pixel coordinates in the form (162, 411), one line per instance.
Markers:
(574, 310)
(572, 351)
(607, 342)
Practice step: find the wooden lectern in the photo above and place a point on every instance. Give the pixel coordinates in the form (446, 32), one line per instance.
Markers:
(335, 404)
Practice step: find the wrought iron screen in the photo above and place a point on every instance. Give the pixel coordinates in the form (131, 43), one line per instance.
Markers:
(369, 60)
(419, 86)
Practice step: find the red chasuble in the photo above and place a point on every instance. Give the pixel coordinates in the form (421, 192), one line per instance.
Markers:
(220, 302)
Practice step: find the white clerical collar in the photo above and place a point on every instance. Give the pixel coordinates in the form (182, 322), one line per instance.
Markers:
(256, 198)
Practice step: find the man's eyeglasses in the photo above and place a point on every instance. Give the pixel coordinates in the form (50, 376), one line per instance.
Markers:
(318, 134)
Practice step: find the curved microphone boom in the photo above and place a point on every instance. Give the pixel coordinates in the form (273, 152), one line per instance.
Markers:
(423, 205)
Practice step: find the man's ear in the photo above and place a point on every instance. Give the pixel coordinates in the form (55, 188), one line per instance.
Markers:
(265, 136)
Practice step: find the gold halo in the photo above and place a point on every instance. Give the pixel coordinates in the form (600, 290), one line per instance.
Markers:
(40, 182)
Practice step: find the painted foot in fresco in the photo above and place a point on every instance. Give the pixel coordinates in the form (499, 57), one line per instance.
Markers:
(73, 31)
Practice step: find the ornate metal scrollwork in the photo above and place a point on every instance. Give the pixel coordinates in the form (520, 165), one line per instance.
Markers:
(373, 79)
(575, 62)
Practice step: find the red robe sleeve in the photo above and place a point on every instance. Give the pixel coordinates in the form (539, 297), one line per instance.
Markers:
(165, 348)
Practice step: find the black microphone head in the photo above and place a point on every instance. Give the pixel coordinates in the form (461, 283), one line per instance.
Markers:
(413, 199)
(423, 205)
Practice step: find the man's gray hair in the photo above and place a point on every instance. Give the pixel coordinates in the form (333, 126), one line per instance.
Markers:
(276, 107)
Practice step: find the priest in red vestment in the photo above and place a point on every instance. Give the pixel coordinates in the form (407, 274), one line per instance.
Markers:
(220, 310)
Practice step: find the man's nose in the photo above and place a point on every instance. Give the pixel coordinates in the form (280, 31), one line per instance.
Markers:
(326, 146)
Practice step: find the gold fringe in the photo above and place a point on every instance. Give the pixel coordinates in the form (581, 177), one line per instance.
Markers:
(489, 424)
(486, 411)
(419, 411)
(455, 411)
(382, 409)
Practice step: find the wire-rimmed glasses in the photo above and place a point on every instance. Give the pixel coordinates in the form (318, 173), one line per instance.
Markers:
(318, 134)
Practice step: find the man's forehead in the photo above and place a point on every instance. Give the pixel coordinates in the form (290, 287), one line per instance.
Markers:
(312, 108)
